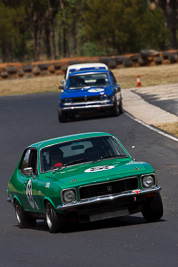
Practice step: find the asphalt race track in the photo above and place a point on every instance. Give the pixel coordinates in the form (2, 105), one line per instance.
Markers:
(128, 241)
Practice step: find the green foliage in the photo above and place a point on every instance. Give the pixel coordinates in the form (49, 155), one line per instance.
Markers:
(60, 28)
(90, 49)
(125, 26)
(73, 16)
(13, 35)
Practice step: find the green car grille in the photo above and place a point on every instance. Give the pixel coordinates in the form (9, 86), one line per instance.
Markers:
(108, 188)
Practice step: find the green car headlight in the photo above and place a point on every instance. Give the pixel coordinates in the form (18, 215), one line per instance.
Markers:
(69, 196)
(148, 181)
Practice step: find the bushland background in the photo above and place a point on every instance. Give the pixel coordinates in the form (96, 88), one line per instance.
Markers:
(36, 30)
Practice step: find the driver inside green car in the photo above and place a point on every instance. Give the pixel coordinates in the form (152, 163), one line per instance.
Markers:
(56, 158)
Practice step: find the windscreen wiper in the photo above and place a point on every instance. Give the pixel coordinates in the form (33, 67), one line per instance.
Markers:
(115, 156)
(110, 156)
(75, 162)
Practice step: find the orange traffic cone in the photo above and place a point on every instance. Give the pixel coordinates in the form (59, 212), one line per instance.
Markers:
(139, 82)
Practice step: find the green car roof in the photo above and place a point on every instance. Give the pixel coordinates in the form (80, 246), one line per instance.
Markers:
(66, 138)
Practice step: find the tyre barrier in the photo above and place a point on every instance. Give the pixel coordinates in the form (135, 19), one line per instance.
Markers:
(158, 60)
(59, 67)
(27, 68)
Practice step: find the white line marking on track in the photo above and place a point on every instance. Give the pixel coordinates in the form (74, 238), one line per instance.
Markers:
(152, 128)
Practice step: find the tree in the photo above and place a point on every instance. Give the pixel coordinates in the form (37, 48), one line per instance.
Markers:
(35, 10)
(170, 10)
(70, 23)
(13, 36)
(124, 26)
(49, 28)
(75, 19)
(62, 28)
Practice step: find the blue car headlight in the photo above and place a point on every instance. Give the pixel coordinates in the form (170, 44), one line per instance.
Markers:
(104, 97)
(67, 101)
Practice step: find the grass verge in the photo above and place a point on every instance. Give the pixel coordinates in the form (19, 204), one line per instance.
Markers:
(169, 127)
(155, 75)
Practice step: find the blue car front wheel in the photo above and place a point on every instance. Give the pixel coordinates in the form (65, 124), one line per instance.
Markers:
(115, 110)
(62, 116)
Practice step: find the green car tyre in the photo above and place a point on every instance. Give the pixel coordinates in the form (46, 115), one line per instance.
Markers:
(153, 208)
(23, 220)
(55, 221)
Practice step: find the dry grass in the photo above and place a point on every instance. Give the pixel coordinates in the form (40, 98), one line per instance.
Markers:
(30, 85)
(170, 128)
(126, 77)
(154, 75)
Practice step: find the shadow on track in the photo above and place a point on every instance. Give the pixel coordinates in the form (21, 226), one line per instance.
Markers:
(73, 227)
(90, 116)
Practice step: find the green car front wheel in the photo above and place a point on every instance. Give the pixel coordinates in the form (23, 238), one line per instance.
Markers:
(153, 208)
(56, 222)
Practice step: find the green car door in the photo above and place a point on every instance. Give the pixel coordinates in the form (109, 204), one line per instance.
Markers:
(28, 178)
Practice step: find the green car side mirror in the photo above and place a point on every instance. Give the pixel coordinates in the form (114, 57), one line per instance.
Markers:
(28, 172)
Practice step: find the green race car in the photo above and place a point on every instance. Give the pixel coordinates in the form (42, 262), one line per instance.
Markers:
(87, 176)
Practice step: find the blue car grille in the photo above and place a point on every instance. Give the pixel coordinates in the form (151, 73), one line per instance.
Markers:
(96, 98)
(85, 99)
(109, 188)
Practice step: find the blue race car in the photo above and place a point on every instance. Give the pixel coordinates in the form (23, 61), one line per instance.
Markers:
(89, 90)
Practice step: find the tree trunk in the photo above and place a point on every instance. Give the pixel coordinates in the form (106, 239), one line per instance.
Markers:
(170, 10)
(172, 22)
(47, 42)
(35, 25)
(64, 27)
(74, 32)
(50, 33)
(53, 40)
(36, 39)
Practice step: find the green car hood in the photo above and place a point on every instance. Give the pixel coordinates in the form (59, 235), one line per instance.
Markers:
(106, 170)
